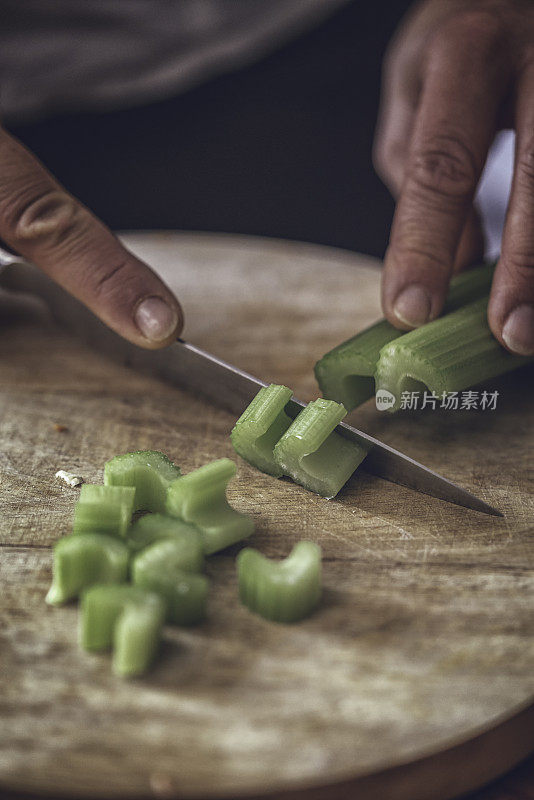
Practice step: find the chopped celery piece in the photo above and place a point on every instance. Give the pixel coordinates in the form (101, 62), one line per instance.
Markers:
(284, 591)
(346, 373)
(313, 454)
(449, 354)
(127, 618)
(104, 509)
(149, 471)
(84, 559)
(260, 427)
(163, 568)
(200, 498)
(96, 493)
(155, 527)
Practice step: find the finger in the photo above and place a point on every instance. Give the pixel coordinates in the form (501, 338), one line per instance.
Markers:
(390, 150)
(511, 307)
(464, 79)
(44, 223)
(398, 105)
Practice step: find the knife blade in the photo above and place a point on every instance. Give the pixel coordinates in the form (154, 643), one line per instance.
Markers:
(183, 364)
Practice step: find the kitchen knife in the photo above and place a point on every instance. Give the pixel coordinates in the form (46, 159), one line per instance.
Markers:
(188, 366)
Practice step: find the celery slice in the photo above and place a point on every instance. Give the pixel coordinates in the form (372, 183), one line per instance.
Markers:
(260, 427)
(84, 559)
(127, 618)
(284, 591)
(346, 373)
(449, 354)
(104, 509)
(96, 493)
(164, 568)
(313, 454)
(153, 528)
(149, 471)
(200, 498)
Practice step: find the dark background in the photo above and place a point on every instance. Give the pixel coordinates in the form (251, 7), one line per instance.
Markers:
(280, 148)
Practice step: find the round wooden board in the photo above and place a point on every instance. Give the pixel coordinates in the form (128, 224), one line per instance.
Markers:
(423, 641)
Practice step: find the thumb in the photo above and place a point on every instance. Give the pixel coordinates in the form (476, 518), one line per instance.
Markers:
(43, 222)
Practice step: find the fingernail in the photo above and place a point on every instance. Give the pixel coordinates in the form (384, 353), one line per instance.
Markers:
(155, 319)
(412, 306)
(518, 330)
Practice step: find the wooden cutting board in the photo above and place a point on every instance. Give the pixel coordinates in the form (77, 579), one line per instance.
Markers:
(413, 678)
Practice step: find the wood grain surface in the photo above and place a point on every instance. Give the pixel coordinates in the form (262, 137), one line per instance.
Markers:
(423, 641)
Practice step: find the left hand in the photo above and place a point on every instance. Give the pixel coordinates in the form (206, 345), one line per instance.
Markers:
(456, 72)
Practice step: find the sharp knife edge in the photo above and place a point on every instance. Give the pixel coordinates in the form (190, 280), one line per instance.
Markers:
(186, 365)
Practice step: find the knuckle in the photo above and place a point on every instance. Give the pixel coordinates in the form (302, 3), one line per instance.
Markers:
(519, 263)
(525, 167)
(445, 166)
(410, 250)
(117, 281)
(43, 217)
(381, 162)
(481, 29)
(379, 155)
(387, 154)
(389, 160)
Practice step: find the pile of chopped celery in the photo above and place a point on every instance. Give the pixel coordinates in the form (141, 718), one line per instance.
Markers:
(135, 575)
(450, 354)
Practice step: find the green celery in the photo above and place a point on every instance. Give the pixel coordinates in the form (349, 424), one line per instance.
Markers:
(127, 618)
(165, 569)
(260, 427)
(450, 354)
(284, 591)
(346, 373)
(200, 498)
(313, 454)
(84, 559)
(155, 527)
(149, 471)
(104, 509)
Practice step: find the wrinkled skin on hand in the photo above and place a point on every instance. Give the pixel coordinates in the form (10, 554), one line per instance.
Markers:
(456, 72)
(40, 220)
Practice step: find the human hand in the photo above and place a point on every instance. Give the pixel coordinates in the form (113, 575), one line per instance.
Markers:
(456, 72)
(44, 223)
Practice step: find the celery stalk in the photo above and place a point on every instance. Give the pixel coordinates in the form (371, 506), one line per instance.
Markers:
(127, 618)
(104, 509)
(149, 471)
(200, 499)
(259, 428)
(346, 373)
(164, 568)
(84, 559)
(284, 591)
(450, 354)
(313, 454)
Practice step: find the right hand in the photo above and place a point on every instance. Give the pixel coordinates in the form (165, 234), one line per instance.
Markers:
(41, 221)
(457, 72)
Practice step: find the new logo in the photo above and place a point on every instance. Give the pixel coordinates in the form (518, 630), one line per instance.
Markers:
(384, 399)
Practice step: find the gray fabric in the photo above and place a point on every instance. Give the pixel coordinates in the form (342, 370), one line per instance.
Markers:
(62, 55)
